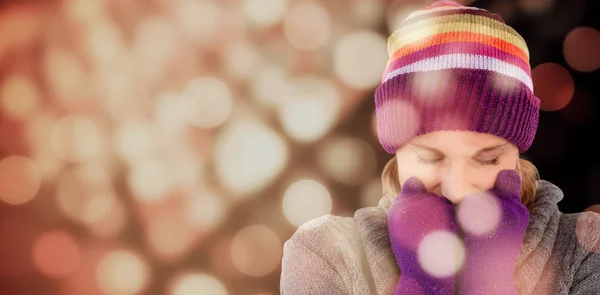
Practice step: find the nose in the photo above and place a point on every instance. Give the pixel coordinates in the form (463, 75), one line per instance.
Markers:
(455, 184)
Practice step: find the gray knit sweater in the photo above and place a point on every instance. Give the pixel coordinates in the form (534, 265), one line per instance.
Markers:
(343, 255)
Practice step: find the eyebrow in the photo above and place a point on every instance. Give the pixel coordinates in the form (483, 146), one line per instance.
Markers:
(480, 152)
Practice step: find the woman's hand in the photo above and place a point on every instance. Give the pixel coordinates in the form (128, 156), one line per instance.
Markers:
(424, 239)
(493, 225)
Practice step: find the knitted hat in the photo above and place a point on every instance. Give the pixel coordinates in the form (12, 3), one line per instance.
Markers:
(454, 67)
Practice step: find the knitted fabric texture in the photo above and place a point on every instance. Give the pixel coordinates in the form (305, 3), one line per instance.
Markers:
(454, 67)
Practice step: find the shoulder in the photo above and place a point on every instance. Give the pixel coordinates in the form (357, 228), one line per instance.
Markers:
(325, 233)
(324, 256)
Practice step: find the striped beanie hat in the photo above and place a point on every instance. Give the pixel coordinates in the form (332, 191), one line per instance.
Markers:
(453, 67)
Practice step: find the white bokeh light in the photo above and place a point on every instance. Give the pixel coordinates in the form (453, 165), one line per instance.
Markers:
(199, 19)
(396, 15)
(270, 84)
(311, 110)
(205, 211)
(248, 156)
(368, 13)
(441, 254)
(208, 102)
(197, 283)
(348, 160)
(170, 115)
(19, 96)
(431, 86)
(77, 139)
(479, 214)
(307, 26)
(350, 62)
(149, 180)
(265, 13)
(136, 140)
(242, 60)
(122, 272)
(256, 250)
(104, 43)
(305, 200)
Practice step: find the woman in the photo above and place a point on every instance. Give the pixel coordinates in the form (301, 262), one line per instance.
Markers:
(462, 212)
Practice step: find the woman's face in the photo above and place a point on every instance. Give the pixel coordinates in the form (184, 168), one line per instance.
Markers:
(456, 164)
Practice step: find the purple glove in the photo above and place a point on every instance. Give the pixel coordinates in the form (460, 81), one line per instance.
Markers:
(493, 225)
(424, 239)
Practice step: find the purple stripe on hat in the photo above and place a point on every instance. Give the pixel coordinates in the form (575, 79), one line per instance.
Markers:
(473, 101)
(433, 14)
(458, 47)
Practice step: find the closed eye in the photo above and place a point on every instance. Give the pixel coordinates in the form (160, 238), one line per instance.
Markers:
(429, 161)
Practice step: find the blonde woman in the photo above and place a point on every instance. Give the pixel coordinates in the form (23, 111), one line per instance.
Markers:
(462, 212)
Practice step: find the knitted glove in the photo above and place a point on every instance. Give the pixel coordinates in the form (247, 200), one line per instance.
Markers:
(424, 239)
(493, 225)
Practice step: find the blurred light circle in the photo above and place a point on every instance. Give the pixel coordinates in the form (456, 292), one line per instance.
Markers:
(348, 160)
(248, 156)
(360, 58)
(368, 13)
(371, 193)
(535, 6)
(270, 85)
(396, 14)
(38, 131)
(242, 60)
(432, 85)
(72, 193)
(256, 250)
(169, 114)
(20, 180)
(311, 110)
(56, 254)
(205, 211)
(208, 102)
(184, 166)
(67, 78)
(77, 139)
(441, 254)
(154, 39)
(553, 85)
(149, 181)
(199, 19)
(479, 214)
(581, 49)
(20, 97)
(84, 11)
(122, 272)
(104, 215)
(136, 140)
(307, 26)
(305, 200)
(103, 42)
(169, 237)
(197, 283)
(265, 13)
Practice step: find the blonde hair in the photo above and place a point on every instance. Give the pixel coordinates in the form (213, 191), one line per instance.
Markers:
(529, 177)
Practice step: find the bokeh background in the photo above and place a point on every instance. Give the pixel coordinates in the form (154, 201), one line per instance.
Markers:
(173, 146)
